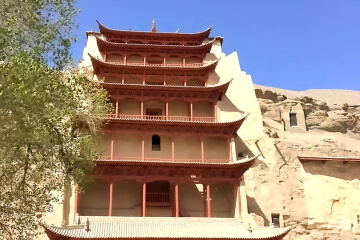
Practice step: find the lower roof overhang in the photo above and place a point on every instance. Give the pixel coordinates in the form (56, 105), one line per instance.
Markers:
(118, 90)
(162, 228)
(167, 127)
(101, 67)
(181, 171)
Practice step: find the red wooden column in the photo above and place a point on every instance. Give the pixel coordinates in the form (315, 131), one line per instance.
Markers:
(164, 61)
(116, 108)
(167, 110)
(142, 148)
(76, 204)
(112, 147)
(144, 79)
(238, 193)
(143, 200)
(172, 149)
(185, 79)
(144, 60)
(176, 200)
(184, 62)
(191, 111)
(215, 112)
(110, 198)
(202, 149)
(207, 199)
(142, 109)
(125, 60)
(123, 78)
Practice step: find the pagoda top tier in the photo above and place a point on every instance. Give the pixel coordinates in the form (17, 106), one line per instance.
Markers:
(154, 37)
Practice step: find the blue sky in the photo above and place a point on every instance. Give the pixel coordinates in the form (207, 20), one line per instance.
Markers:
(291, 44)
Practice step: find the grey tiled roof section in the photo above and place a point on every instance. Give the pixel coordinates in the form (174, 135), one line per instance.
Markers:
(194, 228)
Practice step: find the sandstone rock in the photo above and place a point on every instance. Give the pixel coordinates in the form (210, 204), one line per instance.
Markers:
(314, 119)
(270, 95)
(332, 125)
(257, 220)
(317, 199)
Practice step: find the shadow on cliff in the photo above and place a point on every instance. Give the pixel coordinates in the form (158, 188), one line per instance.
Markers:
(253, 207)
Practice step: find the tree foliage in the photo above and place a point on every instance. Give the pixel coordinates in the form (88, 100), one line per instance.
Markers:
(49, 116)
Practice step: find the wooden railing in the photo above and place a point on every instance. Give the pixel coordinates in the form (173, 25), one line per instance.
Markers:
(186, 160)
(164, 118)
(157, 197)
(167, 64)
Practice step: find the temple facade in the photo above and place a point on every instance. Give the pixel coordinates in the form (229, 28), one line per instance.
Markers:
(176, 146)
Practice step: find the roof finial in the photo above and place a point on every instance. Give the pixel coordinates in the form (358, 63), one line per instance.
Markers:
(153, 28)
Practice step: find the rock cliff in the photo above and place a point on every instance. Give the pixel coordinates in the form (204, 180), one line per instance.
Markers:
(319, 199)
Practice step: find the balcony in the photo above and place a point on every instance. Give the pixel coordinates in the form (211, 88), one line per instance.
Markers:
(165, 64)
(163, 118)
(158, 199)
(175, 160)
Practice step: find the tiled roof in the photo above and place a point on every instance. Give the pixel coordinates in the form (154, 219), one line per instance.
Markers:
(149, 87)
(164, 228)
(206, 46)
(203, 34)
(96, 62)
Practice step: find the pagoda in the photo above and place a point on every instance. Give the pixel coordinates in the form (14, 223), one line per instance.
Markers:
(170, 165)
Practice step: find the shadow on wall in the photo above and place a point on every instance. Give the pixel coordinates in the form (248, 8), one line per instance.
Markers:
(226, 105)
(253, 207)
(242, 150)
(345, 171)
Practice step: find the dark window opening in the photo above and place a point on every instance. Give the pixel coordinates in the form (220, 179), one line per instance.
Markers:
(158, 193)
(153, 113)
(240, 155)
(155, 139)
(293, 120)
(275, 219)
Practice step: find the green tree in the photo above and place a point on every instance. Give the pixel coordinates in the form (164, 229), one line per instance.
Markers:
(49, 115)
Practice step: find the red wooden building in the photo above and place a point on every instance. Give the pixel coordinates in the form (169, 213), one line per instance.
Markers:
(170, 165)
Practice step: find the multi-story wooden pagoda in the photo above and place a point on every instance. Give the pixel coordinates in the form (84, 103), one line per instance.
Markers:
(170, 165)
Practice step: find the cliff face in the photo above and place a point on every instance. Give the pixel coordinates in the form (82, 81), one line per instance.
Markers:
(319, 199)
